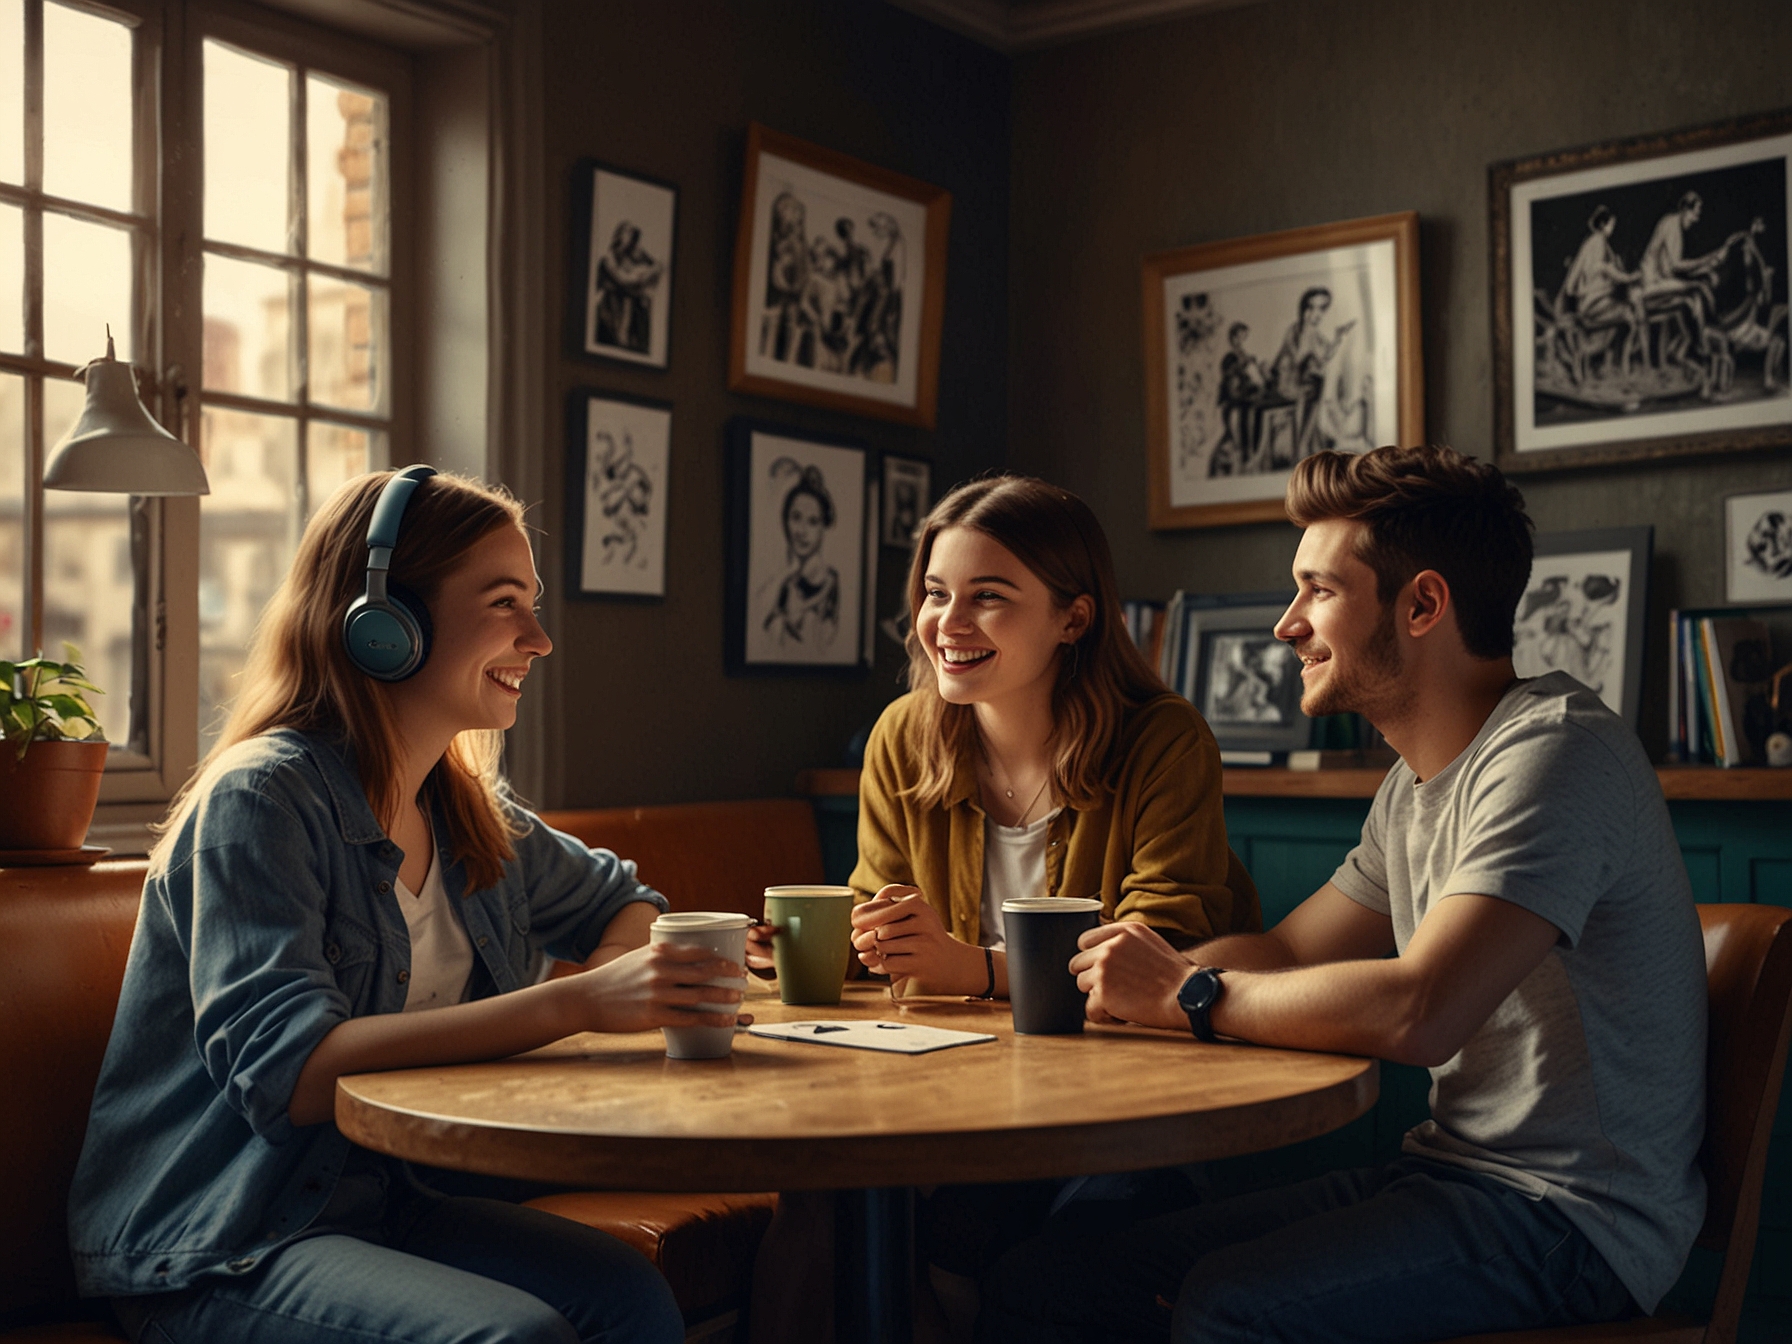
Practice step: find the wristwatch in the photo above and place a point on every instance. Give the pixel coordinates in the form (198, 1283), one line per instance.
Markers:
(1197, 996)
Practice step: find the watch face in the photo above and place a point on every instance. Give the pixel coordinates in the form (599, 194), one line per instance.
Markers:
(1198, 991)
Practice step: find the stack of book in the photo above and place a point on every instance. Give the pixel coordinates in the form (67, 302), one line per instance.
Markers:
(1719, 670)
(1145, 623)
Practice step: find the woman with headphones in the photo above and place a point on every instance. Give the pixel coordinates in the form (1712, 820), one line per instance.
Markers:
(347, 856)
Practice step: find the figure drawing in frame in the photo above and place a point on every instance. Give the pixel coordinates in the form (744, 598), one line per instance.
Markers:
(625, 447)
(1758, 547)
(833, 303)
(907, 484)
(1674, 296)
(1252, 680)
(627, 276)
(801, 611)
(1573, 618)
(627, 279)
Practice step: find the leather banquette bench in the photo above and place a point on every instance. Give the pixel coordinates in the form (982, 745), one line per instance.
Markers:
(64, 936)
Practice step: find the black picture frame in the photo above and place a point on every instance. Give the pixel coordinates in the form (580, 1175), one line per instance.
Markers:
(1590, 368)
(1244, 680)
(907, 495)
(1571, 620)
(619, 299)
(617, 495)
(784, 612)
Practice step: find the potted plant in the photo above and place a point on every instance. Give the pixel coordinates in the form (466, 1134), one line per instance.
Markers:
(52, 755)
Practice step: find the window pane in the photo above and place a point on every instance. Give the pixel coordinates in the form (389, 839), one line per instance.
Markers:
(334, 454)
(345, 138)
(87, 284)
(12, 277)
(248, 114)
(247, 532)
(248, 329)
(12, 515)
(12, 91)
(348, 342)
(89, 587)
(87, 108)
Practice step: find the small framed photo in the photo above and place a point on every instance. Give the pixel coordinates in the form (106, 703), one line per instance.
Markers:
(1262, 351)
(907, 495)
(797, 546)
(1244, 680)
(839, 282)
(1758, 548)
(618, 469)
(1639, 296)
(1584, 610)
(624, 228)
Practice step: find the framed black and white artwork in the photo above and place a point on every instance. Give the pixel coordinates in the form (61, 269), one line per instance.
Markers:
(907, 495)
(1584, 610)
(839, 282)
(1640, 296)
(624, 229)
(1244, 680)
(1758, 548)
(618, 470)
(1261, 351)
(797, 543)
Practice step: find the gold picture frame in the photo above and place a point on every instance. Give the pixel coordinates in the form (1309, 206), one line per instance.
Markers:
(1225, 425)
(845, 314)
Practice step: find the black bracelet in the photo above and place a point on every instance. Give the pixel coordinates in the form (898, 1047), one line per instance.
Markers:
(989, 990)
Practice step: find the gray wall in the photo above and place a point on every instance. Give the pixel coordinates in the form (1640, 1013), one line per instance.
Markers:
(640, 708)
(1297, 112)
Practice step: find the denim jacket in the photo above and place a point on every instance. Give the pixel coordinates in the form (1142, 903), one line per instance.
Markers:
(271, 920)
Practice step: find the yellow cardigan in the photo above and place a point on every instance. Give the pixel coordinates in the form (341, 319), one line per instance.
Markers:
(1153, 848)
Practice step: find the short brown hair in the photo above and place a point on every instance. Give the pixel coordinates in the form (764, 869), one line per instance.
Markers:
(1100, 676)
(1429, 508)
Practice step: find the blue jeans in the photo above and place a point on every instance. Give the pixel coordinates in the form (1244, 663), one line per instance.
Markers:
(1413, 1251)
(413, 1267)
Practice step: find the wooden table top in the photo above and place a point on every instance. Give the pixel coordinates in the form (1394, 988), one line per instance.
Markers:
(611, 1111)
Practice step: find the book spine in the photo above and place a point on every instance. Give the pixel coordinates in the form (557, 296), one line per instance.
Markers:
(1676, 726)
(1724, 730)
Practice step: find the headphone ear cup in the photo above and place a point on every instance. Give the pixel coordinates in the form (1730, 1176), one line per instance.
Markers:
(418, 611)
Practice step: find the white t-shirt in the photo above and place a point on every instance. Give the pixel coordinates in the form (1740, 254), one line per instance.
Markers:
(1013, 865)
(441, 955)
(1586, 1087)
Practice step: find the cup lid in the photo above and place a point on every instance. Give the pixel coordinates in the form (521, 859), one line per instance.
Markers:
(809, 889)
(688, 921)
(1059, 905)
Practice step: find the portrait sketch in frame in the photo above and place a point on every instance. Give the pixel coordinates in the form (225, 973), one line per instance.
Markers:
(618, 470)
(796, 549)
(839, 282)
(1261, 351)
(1244, 680)
(1758, 548)
(1639, 296)
(624, 232)
(1583, 612)
(907, 495)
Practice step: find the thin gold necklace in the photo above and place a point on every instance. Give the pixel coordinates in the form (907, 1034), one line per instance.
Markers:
(990, 765)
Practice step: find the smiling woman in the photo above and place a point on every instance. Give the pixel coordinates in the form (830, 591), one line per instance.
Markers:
(347, 857)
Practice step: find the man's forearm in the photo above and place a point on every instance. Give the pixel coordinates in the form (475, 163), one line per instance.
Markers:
(1351, 1007)
(1244, 952)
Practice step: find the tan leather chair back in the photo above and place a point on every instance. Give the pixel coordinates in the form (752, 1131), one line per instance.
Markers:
(708, 856)
(64, 936)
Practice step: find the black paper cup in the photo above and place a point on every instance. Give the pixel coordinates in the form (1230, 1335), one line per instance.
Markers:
(1041, 933)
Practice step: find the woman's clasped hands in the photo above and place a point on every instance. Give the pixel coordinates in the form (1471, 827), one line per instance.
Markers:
(899, 934)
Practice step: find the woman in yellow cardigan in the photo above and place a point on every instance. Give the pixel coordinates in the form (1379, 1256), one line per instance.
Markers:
(1036, 753)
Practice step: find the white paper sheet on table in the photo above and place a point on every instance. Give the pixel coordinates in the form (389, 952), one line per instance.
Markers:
(896, 1037)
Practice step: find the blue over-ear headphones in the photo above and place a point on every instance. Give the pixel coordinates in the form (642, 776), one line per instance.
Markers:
(386, 630)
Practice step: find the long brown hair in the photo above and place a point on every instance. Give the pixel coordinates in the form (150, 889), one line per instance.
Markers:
(298, 674)
(1100, 676)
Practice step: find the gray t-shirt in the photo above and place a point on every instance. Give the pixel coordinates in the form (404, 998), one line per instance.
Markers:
(1586, 1087)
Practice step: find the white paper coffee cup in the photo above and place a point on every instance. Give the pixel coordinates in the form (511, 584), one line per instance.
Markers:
(725, 935)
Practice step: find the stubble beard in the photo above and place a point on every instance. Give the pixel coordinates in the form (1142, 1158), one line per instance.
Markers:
(1372, 688)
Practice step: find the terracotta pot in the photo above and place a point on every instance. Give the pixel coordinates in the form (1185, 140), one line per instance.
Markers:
(47, 799)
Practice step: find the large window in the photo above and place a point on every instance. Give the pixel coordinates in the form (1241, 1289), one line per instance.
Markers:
(216, 185)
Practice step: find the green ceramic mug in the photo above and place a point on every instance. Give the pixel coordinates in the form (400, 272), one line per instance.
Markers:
(813, 940)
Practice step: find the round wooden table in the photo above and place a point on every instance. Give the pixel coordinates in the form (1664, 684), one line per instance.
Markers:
(613, 1112)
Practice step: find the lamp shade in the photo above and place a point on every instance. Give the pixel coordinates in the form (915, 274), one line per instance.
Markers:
(116, 446)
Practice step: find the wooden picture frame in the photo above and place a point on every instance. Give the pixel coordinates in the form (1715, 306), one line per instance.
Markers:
(1224, 423)
(618, 478)
(625, 234)
(797, 548)
(1584, 610)
(1639, 296)
(845, 314)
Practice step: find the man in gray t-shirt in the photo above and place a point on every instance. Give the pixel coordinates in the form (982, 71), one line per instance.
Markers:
(1516, 918)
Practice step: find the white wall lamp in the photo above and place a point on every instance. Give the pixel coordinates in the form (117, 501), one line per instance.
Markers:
(116, 446)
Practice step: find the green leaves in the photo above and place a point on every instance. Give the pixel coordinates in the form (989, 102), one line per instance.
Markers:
(43, 698)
